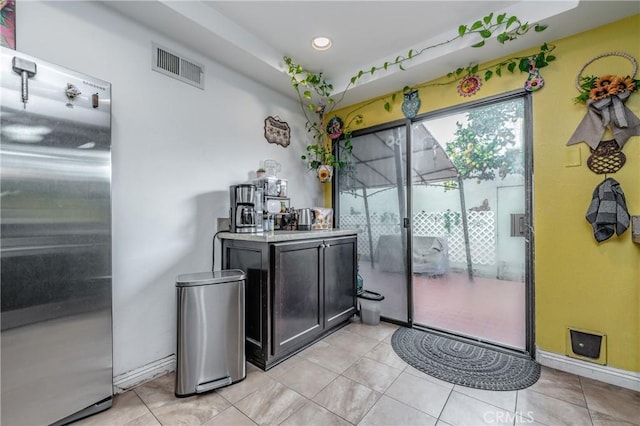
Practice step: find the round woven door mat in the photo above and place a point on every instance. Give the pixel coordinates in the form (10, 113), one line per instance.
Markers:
(463, 363)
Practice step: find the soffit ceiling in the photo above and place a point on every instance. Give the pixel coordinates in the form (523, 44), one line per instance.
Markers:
(252, 37)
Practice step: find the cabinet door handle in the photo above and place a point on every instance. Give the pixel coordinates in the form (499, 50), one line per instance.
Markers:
(327, 245)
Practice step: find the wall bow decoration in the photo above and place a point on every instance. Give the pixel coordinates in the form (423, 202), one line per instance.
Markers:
(605, 97)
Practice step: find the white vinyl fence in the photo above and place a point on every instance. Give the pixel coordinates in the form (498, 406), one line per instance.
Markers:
(448, 224)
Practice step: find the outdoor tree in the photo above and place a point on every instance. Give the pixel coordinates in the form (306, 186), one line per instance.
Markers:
(486, 143)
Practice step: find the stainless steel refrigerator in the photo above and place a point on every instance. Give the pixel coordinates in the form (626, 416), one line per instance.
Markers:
(55, 198)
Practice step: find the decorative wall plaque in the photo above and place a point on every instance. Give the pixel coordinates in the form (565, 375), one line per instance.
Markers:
(276, 131)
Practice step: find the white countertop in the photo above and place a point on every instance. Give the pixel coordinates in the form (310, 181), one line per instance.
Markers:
(279, 236)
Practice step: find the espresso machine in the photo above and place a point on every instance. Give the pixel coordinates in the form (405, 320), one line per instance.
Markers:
(243, 208)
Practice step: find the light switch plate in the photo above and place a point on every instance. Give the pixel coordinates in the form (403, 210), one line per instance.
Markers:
(573, 157)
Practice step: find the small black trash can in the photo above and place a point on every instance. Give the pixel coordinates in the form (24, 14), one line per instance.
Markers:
(370, 304)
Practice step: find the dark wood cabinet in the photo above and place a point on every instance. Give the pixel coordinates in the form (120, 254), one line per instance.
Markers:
(339, 292)
(296, 292)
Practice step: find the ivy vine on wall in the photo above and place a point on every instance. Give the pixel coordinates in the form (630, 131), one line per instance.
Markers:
(315, 92)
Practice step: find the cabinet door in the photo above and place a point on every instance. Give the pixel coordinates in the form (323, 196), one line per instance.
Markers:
(339, 280)
(252, 261)
(297, 297)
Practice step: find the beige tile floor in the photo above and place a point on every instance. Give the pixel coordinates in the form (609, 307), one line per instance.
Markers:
(354, 377)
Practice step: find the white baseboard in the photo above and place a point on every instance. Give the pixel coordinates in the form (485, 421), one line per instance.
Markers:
(603, 373)
(133, 378)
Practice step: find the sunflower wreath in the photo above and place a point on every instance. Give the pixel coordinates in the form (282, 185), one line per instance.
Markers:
(597, 88)
(604, 97)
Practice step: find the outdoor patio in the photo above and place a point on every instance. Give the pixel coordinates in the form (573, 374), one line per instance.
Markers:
(487, 309)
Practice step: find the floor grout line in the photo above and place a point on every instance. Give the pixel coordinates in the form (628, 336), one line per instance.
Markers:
(445, 405)
(162, 398)
(556, 398)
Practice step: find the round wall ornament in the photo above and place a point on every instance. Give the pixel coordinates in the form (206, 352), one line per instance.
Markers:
(469, 85)
(605, 98)
(598, 88)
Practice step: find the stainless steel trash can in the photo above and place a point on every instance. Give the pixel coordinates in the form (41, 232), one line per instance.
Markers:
(210, 350)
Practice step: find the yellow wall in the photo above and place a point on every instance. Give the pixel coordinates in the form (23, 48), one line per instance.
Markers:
(578, 282)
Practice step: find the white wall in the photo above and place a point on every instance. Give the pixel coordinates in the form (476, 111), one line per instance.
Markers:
(176, 149)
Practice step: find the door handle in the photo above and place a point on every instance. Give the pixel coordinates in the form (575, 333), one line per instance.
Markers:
(518, 225)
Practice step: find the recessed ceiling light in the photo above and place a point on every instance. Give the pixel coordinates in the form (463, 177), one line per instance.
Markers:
(321, 43)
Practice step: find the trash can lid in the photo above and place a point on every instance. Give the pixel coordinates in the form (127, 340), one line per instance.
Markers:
(371, 295)
(210, 277)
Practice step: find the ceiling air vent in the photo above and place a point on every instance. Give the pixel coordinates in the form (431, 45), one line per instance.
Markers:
(171, 64)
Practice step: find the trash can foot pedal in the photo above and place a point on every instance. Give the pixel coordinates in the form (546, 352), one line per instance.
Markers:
(205, 387)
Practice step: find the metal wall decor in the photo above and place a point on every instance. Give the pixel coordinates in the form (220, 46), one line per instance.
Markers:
(411, 104)
(469, 85)
(276, 131)
(606, 158)
(335, 127)
(534, 81)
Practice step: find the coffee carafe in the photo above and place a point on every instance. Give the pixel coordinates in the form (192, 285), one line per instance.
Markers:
(243, 211)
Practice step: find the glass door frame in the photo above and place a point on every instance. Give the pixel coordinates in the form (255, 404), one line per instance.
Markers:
(404, 222)
(528, 182)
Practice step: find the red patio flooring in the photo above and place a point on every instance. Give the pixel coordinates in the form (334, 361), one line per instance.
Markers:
(487, 309)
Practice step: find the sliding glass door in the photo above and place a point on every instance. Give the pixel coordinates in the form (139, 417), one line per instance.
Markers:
(470, 227)
(445, 231)
(372, 197)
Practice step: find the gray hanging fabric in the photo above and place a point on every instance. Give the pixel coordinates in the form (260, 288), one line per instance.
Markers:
(608, 212)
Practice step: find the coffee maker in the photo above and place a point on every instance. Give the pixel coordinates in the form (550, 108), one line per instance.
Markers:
(243, 209)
